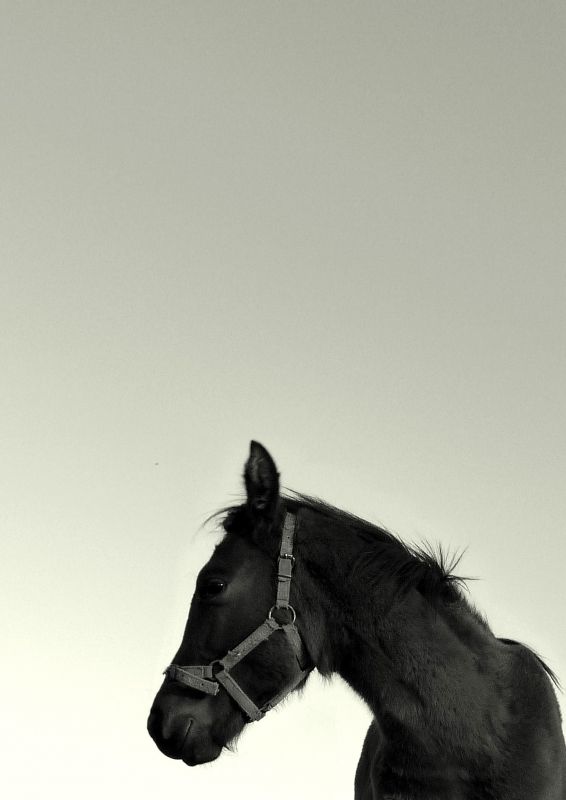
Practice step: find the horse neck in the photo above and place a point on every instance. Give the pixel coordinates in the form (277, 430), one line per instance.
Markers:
(427, 670)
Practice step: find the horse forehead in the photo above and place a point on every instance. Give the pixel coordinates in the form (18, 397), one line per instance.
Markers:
(232, 554)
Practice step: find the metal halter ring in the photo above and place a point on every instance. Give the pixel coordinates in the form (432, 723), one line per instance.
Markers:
(285, 608)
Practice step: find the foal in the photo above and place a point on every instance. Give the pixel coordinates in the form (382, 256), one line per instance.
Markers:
(296, 584)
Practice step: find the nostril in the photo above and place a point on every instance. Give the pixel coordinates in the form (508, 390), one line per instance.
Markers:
(189, 726)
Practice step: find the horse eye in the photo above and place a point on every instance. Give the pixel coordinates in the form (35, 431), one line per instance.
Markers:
(211, 588)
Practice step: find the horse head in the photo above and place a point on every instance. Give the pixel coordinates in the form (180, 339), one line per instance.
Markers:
(241, 650)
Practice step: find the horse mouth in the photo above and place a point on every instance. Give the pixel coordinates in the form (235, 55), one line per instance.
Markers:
(187, 732)
(193, 760)
(197, 751)
(195, 756)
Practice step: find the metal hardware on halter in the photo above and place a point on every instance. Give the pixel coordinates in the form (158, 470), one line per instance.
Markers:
(208, 680)
(290, 609)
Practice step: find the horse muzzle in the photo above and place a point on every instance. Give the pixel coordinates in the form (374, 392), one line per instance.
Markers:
(178, 735)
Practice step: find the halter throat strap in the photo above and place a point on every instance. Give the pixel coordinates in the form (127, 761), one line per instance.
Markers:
(208, 678)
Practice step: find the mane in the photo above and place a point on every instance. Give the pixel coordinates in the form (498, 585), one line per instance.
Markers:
(384, 556)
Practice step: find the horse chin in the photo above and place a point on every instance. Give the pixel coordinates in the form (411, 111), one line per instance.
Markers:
(200, 752)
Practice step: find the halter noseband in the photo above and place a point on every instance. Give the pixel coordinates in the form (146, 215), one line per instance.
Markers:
(209, 678)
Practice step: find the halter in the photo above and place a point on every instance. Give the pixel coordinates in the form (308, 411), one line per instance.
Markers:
(209, 678)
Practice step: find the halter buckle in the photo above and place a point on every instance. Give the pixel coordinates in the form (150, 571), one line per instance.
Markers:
(285, 565)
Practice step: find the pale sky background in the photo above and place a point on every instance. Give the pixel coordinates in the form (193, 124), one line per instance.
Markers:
(338, 228)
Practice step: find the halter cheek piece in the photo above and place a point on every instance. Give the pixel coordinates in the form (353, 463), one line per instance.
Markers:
(209, 678)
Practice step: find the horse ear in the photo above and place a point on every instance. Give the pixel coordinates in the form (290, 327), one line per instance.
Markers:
(262, 481)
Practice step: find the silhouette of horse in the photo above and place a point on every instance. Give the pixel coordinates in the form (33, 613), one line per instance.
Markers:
(297, 584)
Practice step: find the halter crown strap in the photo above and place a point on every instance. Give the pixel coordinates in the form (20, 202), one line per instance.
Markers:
(206, 679)
(285, 562)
